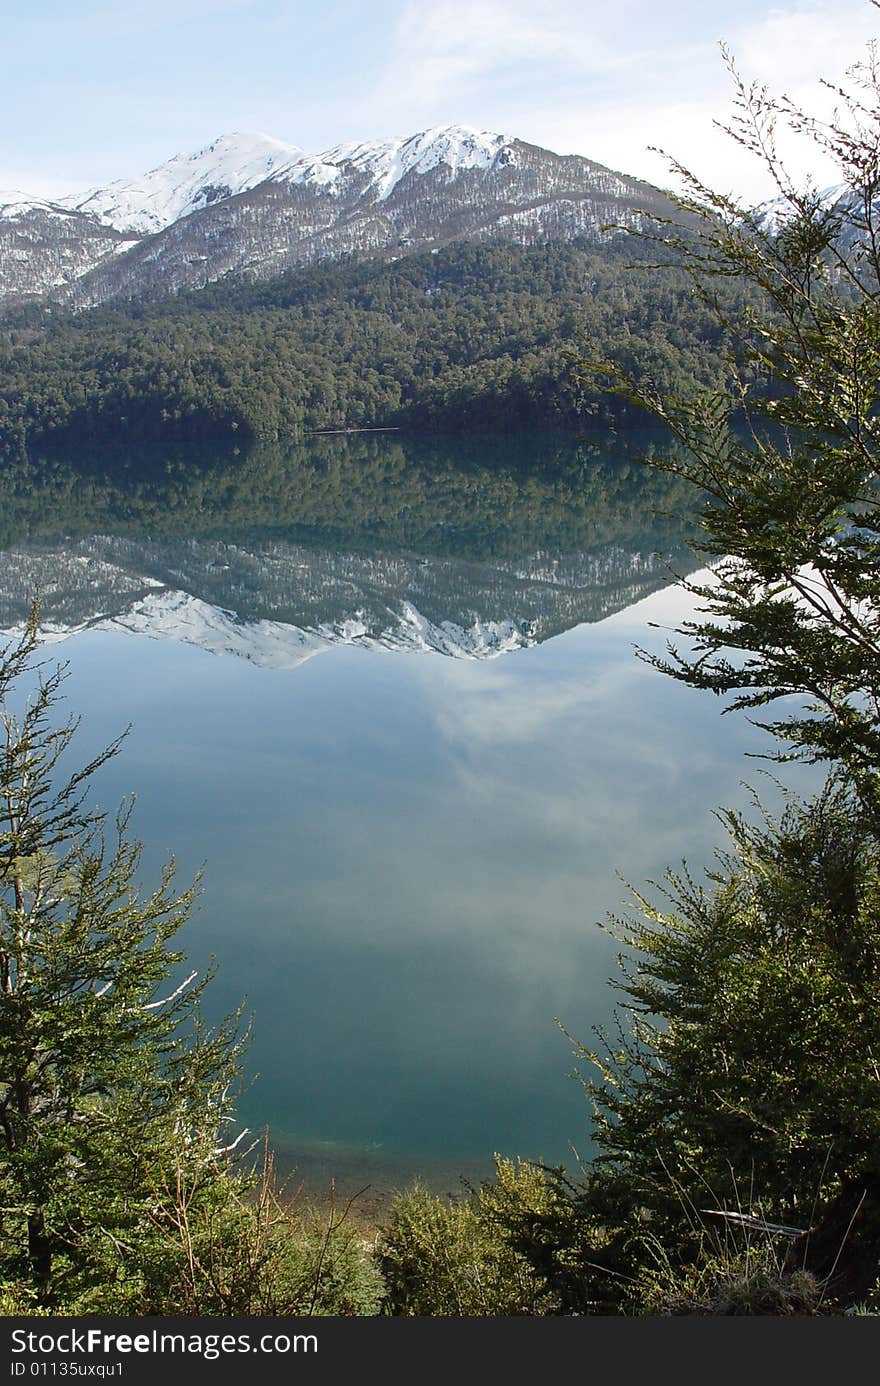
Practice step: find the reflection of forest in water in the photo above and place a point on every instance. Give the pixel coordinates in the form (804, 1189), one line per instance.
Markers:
(407, 898)
(537, 535)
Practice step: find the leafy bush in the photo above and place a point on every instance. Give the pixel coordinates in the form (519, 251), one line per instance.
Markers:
(458, 1258)
(746, 1073)
(743, 1075)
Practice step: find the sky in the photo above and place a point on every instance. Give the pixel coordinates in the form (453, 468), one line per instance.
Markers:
(92, 90)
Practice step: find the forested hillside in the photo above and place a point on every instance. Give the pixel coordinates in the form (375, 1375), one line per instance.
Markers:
(470, 338)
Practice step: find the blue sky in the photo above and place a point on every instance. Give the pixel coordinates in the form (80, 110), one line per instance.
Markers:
(92, 90)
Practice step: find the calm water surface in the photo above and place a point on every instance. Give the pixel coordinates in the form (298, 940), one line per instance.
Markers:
(411, 824)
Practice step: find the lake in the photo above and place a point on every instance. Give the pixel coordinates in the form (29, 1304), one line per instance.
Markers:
(383, 692)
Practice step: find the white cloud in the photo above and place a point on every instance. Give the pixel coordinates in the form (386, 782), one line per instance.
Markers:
(799, 44)
(609, 83)
(508, 711)
(442, 50)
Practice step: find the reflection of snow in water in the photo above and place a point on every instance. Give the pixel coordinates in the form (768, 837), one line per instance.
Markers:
(279, 606)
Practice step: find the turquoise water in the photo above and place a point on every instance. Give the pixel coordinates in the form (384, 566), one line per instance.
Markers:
(408, 854)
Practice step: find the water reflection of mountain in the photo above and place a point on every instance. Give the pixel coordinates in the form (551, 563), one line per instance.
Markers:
(277, 556)
(281, 603)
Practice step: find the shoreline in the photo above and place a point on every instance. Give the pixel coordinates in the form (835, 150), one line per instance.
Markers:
(325, 1175)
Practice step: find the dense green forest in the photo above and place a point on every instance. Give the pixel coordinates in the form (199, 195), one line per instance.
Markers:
(470, 338)
(367, 491)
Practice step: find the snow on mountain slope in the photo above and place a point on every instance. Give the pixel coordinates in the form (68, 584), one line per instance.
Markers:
(45, 248)
(249, 204)
(238, 162)
(16, 204)
(232, 164)
(174, 615)
(387, 162)
(772, 216)
(168, 614)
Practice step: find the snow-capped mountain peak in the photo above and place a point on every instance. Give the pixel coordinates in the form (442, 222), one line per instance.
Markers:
(387, 162)
(15, 203)
(838, 197)
(186, 183)
(237, 162)
(250, 204)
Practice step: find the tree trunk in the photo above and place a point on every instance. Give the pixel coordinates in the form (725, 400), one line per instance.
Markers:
(40, 1253)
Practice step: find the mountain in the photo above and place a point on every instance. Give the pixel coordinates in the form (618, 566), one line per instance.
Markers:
(251, 205)
(277, 604)
(44, 247)
(185, 184)
(838, 201)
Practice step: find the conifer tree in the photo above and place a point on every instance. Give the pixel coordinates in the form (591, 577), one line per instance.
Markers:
(743, 1081)
(115, 1100)
(785, 456)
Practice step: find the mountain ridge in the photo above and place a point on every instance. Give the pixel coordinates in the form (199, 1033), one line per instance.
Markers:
(278, 604)
(251, 205)
(240, 160)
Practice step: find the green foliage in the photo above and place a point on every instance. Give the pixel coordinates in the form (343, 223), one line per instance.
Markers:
(458, 1258)
(247, 1250)
(744, 1072)
(15, 1300)
(473, 338)
(743, 1079)
(106, 1072)
(790, 521)
(493, 499)
(119, 1187)
(729, 1280)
